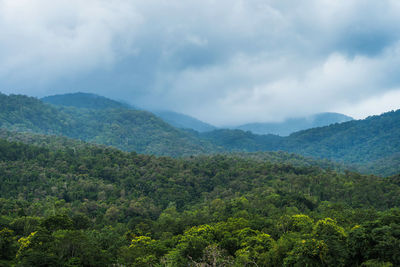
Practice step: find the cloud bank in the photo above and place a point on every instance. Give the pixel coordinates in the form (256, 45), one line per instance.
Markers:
(225, 62)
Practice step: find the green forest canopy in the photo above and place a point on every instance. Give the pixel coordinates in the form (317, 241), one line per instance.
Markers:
(84, 205)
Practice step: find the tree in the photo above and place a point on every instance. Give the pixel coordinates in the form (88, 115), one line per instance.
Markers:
(334, 237)
(8, 246)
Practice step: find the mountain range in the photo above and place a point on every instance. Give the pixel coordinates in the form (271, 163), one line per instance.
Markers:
(124, 128)
(366, 145)
(84, 100)
(183, 121)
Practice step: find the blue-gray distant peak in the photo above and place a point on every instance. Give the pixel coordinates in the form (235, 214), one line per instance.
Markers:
(292, 125)
(93, 101)
(84, 100)
(184, 121)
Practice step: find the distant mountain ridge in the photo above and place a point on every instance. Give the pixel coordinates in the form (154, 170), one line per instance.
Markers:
(84, 100)
(124, 128)
(371, 145)
(184, 121)
(93, 101)
(292, 125)
(354, 141)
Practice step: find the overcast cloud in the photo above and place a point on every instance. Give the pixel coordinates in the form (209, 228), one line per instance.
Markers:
(223, 61)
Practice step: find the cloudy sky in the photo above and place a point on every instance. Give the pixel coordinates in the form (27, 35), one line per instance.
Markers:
(223, 61)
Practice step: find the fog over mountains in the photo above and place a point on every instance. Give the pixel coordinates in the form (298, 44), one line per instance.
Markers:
(292, 125)
(363, 144)
(88, 100)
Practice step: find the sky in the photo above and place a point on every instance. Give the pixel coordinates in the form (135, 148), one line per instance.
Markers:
(226, 62)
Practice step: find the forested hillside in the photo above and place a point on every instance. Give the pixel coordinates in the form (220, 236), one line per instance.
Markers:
(360, 142)
(84, 100)
(371, 145)
(127, 129)
(90, 206)
(92, 101)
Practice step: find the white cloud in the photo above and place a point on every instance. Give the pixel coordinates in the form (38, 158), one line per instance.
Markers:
(252, 89)
(374, 105)
(45, 40)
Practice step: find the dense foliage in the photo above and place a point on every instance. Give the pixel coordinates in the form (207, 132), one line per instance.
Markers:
(83, 205)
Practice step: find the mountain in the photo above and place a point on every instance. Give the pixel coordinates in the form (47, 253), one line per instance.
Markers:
(124, 128)
(292, 125)
(84, 100)
(357, 141)
(94, 206)
(363, 144)
(93, 101)
(184, 121)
